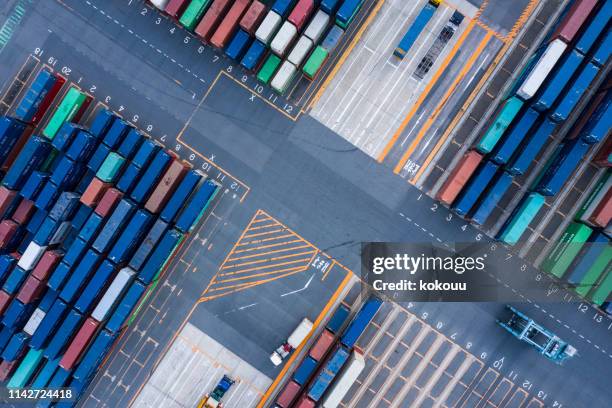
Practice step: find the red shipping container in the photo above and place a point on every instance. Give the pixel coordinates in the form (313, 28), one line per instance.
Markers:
(30, 290)
(5, 299)
(253, 16)
(94, 192)
(24, 211)
(16, 255)
(229, 24)
(47, 263)
(211, 19)
(108, 201)
(305, 402)
(6, 200)
(48, 99)
(458, 177)
(175, 8)
(7, 231)
(603, 212)
(7, 368)
(79, 344)
(165, 188)
(323, 343)
(574, 19)
(79, 115)
(288, 394)
(300, 13)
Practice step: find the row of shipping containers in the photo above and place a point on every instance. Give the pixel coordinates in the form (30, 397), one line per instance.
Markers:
(332, 364)
(557, 78)
(279, 43)
(89, 218)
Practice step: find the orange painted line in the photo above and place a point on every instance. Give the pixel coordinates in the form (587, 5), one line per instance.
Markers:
(261, 267)
(276, 251)
(297, 351)
(258, 241)
(274, 224)
(436, 113)
(268, 246)
(520, 22)
(300, 268)
(264, 233)
(425, 92)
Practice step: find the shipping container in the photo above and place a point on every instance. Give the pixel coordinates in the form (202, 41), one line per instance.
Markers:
(282, 7)
(417, 26)
(147, 150)
(94, 356)
(567, 104)
(477, 184)
(126, 306)
(94, 288)
(108, 301)
(65, 206)
(520, 218)
(59, 276)
(66, 174)
(329, 371)
(505, 149)
(322, 345)
(88, 232)
(268, 27)
(347, 11)
(592, 249)
(151, 177)
(26, 369)
(47, 231)
(15, 347)
(98, 157)
(79, 277)
(562, 166)
(7, 263)
(268, 69)
(6, 369)
(79, 344)
(602, 291)
(602, 52)
(131, 237)
(283, 38)
(305, 370)
(603, 157)
(603, 211)
(305, 402)
(458, 177)
(253, 56)
(160, 256)
(238, 46)
(594, 197)
(166, 186)
(146, 247)
(102, 122)
(70, 109)
(114, 226)
(49, 324)
(541, 68)
(253, 17)
(558, 81)
(160, 4)
(110, 168)
(14, 280)
(503, 119)
(573, 20)
(337, 320)
(8, 228)
(330, 6)
(283, 77)
(301, 13)
(11, 130)
(315, 62)
(594, 28)
(131, 143)
(174, 8)
(599, 124)
(212, 18)
(7, 200)
(31, 290)
(491, 198)
(31, 187)
(94, 192)
(108, 201)
(39, 96)
(23, 212)
(354, 366)
(34, 321)
(129, 178)
(530, 148)
(566, 248)
(5, 299)
(82, 213)
(197, 205)
(301, 48)
(82, 147)
(44, 375)
(332, 39)
(317, 26)
(64, 334)
(5, 336)
(193, 13)
(229, 24)
(288, 394)
(31, 256)
(591, 280)
(31, 157)
(360, 321)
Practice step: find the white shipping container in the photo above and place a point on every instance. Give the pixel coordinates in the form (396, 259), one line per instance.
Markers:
(300, 333)
(345, 380)
(160, 4)
(34, 321)
(541, 69)
(283, 38)
(283, 77)
(31, 255)
(317, 26)
(268, 27)
(596, 200)
(113, 293)
(299, 51)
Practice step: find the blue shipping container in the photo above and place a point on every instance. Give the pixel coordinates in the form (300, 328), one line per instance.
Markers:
(114, 226)
(196, 206)
(98, 157)
(32, 155)
(35, 95)
(64, 335)
(124, 309)
(597, 243)
(573, 95)
(130, 144)
(238, 45)
(131, 237)
(14, 280)
(160, 255)
(7, 263)
(360, 322)
(15, 347)
(602, 52)
(67, 173)
(49, 323)
(492, 196)
(60, 274)
(553, 87)
(332, 39)
(181, 194)
(44, 375)
(338, 318)
(413, 32)
(82, 147)
(17, 314)
(599, 123)
(477, 184)
(328, 373)
(95, 287)
(80, 275)
(10, 131)
(47, 230)
(150, 177)
(305, 370)
(33, 185)
(563, 164)
(282, 7)
(47, 196)
(117, 132)
(528, 151)
(65, 136)
(253, 56)
(347, 11)
(595, 28)
(147, 245)
(506, 148)
(94, 355)
(91, 228)
(329, 6)
(128, 179)
(145, 153)
(65, 206)
(102, 123)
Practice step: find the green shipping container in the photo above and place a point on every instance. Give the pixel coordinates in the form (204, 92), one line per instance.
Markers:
(592, 194)
(604, 290)
(565, 251)
(521, 218)
(601, 265)
(110, 167)
(192, 15)
(28, 366)
(67, 109)
(503, 119)
(268, 69)
(314, 62)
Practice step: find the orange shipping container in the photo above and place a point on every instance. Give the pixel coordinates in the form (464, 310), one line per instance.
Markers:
(324, 342)
(251, 19)
(458, 177)
(228, 26)
(603, 212)
(166, 186)
(211, 19)
(94, 192)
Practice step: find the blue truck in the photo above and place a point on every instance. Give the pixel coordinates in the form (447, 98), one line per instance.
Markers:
(477, 184)
(562, 165)
(360, 322)
(575, 93)
(558, 81)
(491, 197)
(328, 372)
(414, 31)
(530, 148)
(238, 46)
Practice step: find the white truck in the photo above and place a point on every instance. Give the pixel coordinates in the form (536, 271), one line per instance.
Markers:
(295, 339)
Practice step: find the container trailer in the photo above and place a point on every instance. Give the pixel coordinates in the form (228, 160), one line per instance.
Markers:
(49, 324)
(579, 86)
(458, 177)
(95, 286)
(304, 371)
(360, 321)
(253, 17)
(166, 186)
(567, 247)
(64, 334)
(174, 8)
(491, 198)
(354, 366)
(593, 248)
(415, 29)
(108, 301)
(328, 373)
(146, 247)
(475, 187)
(196, 207)
(338, 319)
(283, 38)
(315, 62)
(126, 306)
(288, 394)
(284, 77)
(268, 27)
(193, 13)
(79, 344)
(238, 46)
(543, 63)
(503, 119)
(211, 19)
(347, 11)
(293, 341)
(31, 157)
(317, 26)
(301, 13)
(300, 50)
(254, 55)
(562, 166)
(574, 19)
(595, 28)
(229, 24)
(322, 345)
(520, 218)
(530, 148)
(26, 369)
(70, 109)
(94, 356)
(332, 39)
(39, 96)
(79, 276)
(558, 81)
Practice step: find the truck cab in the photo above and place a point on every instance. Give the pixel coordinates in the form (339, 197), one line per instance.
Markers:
(293, 341)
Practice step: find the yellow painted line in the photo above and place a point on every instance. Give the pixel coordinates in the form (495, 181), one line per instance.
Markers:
(344, 56)
(429, 122)
(425, 93)
(297, 351)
